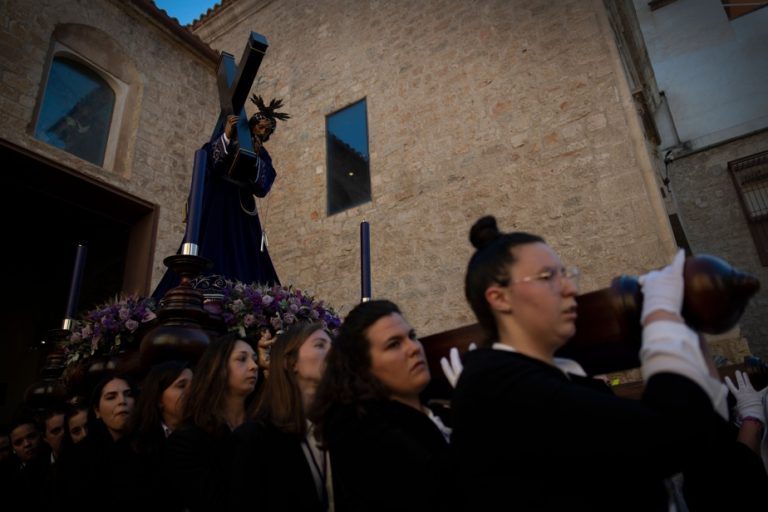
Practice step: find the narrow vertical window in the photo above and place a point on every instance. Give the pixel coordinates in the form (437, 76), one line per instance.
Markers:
(349, 178)
(77, 110)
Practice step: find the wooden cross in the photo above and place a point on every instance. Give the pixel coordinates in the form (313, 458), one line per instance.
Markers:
(234, 86)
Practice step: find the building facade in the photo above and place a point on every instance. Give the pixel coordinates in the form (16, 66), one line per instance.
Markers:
(525, 110)
(516, 109)
(712, 112)
(71, 73)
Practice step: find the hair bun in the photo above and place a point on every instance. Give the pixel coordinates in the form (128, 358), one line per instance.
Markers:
(484, 231)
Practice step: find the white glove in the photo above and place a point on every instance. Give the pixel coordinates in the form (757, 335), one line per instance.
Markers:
(453, 369)
(663, 289)
(749, 402)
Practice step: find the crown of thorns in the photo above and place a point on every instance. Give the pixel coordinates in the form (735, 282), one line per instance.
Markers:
(269, 111)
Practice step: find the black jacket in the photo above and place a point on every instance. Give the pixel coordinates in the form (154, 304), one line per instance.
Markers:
(271, 472)
(198, 466)
(528, 437)
(387, 456)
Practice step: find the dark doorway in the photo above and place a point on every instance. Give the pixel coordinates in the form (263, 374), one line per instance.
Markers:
(45, 211)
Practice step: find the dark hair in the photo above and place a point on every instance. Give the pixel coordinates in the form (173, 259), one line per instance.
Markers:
(72, 410)
(269, 112)
(348, 378)
(490, 264)
(96, 426)
(254, 120)
(24, 416)
(147, 419)
(204, 401)
(55, 409)
(281, 402)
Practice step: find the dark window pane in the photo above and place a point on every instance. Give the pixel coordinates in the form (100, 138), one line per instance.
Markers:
(77, 111)
(349, 179)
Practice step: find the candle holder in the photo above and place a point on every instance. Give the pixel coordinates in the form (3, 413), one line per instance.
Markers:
(179, 332)
(50, 389)
(212, 288)
(365, 261)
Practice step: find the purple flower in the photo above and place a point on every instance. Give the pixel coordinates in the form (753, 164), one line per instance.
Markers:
(251, 308)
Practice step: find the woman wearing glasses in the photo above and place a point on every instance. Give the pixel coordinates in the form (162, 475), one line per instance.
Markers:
(534, 437)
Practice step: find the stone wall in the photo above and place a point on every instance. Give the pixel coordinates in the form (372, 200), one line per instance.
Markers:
(174, 88)
(714, 221)
(518, 109)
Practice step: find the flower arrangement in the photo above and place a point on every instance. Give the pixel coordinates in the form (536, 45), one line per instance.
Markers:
(251, 309)
(109, 328)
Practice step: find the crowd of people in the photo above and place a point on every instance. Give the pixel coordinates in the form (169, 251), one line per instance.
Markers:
(338, 424)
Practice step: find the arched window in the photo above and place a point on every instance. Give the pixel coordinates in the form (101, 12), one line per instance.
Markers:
(77, 110)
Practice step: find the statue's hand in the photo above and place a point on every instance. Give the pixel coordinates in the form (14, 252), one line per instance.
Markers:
(229, 126)
(264, 347)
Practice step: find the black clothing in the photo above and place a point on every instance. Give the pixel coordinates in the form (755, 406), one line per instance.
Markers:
(31, 482)
(99, 473)
(198, 466)
(230, 237)
(272, 466)
(386, 456)
(528, 437)
(728, 476)
(150, 447)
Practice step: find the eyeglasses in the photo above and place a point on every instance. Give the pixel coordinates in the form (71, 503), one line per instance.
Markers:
(553, 277)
